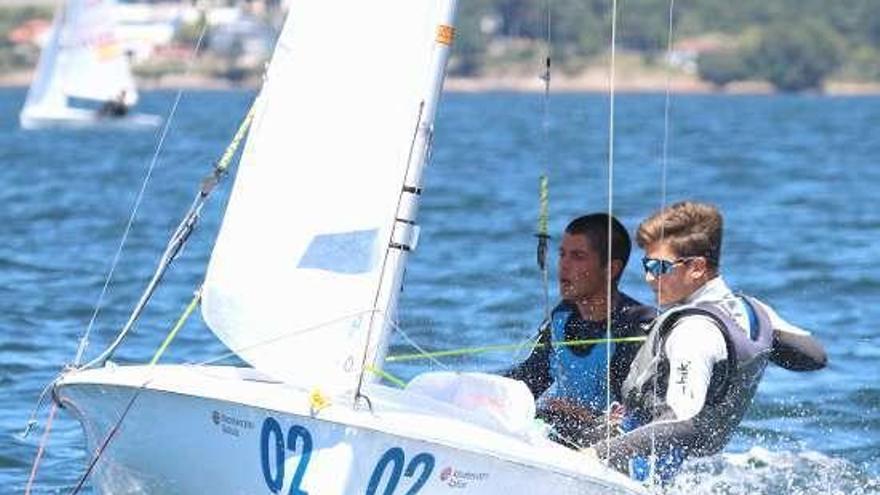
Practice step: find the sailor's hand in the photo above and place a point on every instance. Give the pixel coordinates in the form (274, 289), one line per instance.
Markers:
(569, 409)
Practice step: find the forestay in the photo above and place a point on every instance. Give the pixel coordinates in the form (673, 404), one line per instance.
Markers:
(299, 273)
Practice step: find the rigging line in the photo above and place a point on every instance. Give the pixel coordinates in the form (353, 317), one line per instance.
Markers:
(32, 418)
(501, 347)
(611, 95)
(543, 188)
(385, 259)
(44, 440)
(84, 340)
(294, 333)
(664, 161)
(386, 375)
(417, 347)
(99, 451)
(178, 239)
(197, 296)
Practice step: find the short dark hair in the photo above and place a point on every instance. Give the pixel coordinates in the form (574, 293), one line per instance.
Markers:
(595, 228)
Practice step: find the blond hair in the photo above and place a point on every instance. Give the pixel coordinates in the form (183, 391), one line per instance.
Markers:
(688, 227)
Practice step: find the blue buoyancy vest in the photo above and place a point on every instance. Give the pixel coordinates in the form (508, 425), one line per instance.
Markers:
(581, 379)
(580, 372)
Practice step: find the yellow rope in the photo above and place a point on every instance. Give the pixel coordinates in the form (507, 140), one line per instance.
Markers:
(388, 376)
(543, 195)
(221, 166)
(177, 326)
(223, 163)
(501, 347)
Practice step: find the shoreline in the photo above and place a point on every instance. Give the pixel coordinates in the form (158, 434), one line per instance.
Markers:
(589, 81)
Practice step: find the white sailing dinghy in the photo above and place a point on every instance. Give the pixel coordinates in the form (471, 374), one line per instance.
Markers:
(303, 284)
(82, 59)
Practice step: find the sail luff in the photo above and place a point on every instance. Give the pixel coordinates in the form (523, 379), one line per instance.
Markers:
(45, 89)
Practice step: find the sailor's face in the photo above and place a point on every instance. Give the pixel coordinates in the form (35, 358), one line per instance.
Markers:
(581, 273)
(674, 286)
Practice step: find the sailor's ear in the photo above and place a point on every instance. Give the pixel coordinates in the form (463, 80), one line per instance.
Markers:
(616, 268)
(700, 267)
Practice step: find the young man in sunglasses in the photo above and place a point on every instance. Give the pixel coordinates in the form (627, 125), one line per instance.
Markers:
(567, 370)
(694, 378)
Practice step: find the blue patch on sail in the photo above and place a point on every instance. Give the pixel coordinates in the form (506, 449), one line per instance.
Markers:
(343, 252)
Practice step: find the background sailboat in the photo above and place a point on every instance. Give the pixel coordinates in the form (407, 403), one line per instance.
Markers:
(82, 59)
(303, 284)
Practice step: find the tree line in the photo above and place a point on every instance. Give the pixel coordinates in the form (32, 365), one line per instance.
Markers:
(793, 44)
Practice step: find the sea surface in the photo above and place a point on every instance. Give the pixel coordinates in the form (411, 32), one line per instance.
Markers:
(795, 176)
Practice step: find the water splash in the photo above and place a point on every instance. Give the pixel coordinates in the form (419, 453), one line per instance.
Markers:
(761, 471)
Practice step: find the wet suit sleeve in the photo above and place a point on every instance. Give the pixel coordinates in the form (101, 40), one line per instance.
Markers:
(535, 370)
(797, 352)
(793, 347)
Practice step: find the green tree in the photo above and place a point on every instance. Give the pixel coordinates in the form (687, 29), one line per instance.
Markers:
(578, 28)
(469, 48)
(723, 67)
(797, 56)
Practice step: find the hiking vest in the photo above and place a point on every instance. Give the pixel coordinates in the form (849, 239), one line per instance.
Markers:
(582, 377)
(733, 383)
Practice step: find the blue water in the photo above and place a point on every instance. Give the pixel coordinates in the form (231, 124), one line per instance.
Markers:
(795, 176)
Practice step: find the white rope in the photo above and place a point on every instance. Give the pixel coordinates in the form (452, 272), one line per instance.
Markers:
(611, 93)
(545, 134)
(664, 160)
(84, 340)
(319, 326)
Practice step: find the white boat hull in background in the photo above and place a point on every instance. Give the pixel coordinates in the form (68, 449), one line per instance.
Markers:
(195, 429)
(78, 118)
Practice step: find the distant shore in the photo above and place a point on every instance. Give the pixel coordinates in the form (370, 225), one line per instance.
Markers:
(591, 80)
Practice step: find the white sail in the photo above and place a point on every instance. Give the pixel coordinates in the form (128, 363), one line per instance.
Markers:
(92, 62)
(45, 90)
(82, 58)
(299, 284)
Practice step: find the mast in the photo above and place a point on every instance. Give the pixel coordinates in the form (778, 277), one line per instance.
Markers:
(404, 235)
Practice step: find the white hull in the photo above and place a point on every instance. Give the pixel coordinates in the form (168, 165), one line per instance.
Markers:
(78, 118)
(224, 430)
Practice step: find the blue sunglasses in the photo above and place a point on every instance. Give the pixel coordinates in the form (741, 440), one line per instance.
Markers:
(657, 267)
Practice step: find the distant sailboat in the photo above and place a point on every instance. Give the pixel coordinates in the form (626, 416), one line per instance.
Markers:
(83, 59)
(303, 285)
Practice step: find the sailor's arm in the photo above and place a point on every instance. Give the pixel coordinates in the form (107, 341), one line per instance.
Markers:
(535, 370)
(693, 348)
(794, 348)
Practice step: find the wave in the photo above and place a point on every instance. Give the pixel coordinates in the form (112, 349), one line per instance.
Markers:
(761, 471)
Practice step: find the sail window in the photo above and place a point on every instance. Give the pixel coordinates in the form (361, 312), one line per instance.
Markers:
(342, 252)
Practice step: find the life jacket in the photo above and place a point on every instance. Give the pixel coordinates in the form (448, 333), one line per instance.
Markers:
(732, 386)
(580, 374)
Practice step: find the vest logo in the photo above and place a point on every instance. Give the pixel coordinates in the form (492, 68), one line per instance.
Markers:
(454, 478)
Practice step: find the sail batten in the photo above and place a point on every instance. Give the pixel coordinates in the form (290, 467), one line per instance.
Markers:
(300, 256)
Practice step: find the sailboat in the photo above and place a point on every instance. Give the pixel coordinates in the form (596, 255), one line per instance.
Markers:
(302, 285)
(83, 59)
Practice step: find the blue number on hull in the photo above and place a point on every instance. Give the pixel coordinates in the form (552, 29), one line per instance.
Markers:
(395, 456)
(271, 428)
(296, 432)
(426, 460)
